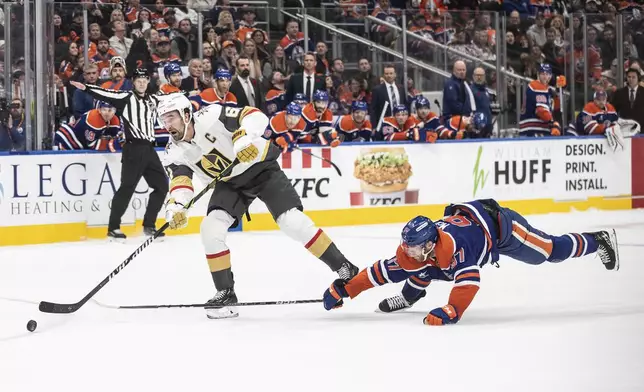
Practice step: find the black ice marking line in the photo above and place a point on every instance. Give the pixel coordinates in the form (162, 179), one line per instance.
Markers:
(51, 307)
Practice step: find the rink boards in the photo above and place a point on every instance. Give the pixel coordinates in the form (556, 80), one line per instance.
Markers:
(65, 196)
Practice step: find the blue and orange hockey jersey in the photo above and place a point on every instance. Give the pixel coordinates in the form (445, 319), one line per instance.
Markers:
(466, 242)
(315, 125)
(591, 120)
(210, 96)
(348, 128)
(275, 101)
(277, 127)
(90, 132)
(536, 113)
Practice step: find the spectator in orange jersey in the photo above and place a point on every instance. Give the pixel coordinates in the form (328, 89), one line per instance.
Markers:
(275, 100)
(355, 127)
(400, 126)
(103, 53)
(172, 73)
(286, 127)
(219, 94)
(117, 76)
(247, 26)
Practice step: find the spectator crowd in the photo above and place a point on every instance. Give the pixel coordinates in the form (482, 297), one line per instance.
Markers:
(240, 63)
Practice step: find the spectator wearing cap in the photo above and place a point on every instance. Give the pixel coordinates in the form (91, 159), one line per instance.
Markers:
(103, 53)
(305, 82)
(228, 34)
(629, 100)
(163, 55)
(275, 100)
(12, 133)
(119, 42)
(193, 83)
(245, 87)
(227, 58)
(293, 42)
(168, 23)
(184, 44)
(220, 93)
(118, 71)
(82, 102)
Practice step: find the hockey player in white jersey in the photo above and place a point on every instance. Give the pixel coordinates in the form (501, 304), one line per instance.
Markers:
(204, 145)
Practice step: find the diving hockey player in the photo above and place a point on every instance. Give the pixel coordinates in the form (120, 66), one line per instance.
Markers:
(204, 145)
(456, 247)
(598, 118)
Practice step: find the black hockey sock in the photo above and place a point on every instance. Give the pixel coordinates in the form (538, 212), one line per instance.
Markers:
(223, 279)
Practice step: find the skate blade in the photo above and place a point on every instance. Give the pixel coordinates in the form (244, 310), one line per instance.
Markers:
(613, 239)
(221, 313)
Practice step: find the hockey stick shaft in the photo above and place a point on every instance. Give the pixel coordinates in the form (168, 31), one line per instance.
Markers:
(51, 307)
(337, 169)
(260, 303)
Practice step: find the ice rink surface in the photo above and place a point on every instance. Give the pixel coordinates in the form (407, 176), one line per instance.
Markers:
(556, 327)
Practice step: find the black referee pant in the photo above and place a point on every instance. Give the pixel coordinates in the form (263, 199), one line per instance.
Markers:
(139, 159)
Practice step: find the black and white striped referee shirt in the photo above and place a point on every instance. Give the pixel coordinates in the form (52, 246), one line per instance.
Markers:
(138, 113)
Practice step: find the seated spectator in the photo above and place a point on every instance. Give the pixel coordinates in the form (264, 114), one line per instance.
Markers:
(335, 106)
(260, 39)
(182, 12)
(293, 42)
(140, 57)
(163, 55)
(12, 133)
(227, 34)
(82, 101)
(383, 34)
(207, 75)
(278, 62)
(250, 50)
(193, 84)
(184, 44)
(222, 5)
(70, 62)
(275, 100)
(117, 80)
(248, 25)
(119, 42)
(227, 58)
(356, 92)
(103, 53)
(142, 23)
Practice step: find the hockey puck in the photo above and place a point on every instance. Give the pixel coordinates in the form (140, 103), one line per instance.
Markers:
(31, 325)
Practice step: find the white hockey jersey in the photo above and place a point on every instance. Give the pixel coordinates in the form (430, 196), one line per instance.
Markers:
(211, 149)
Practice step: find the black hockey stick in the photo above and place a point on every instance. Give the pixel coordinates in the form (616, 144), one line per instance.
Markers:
(260, 303)
(322, 158)
(51, 307)
(440, 109)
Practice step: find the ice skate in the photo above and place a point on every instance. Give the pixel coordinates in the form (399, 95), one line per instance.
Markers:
(397, 302)
(347, 271)
(116, 236)
(607, 251)
(220, 300)
(151, 231)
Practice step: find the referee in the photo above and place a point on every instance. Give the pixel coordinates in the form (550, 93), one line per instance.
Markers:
(137, 110)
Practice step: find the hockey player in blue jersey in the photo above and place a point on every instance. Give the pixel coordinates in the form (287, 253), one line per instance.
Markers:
(538, 103)
(454, 248)
(598, 118)
(97, 129)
